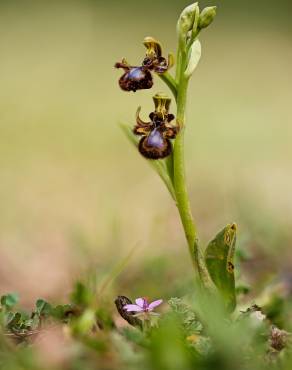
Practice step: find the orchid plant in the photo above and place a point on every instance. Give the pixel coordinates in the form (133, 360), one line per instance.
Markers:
(197, 333)
(162, 144)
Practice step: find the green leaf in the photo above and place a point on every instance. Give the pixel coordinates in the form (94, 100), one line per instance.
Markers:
(163, 168)
(9, 300)
(134, 335)
(62, 312)
(189, 320)
(170, 165)
(85, 323)
(43, 307)
(81, 295)
(13, 319)
(35, 322)
(194, 58)
(219, 256)
(28, 324)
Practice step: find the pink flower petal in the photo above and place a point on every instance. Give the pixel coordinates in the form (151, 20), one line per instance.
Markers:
(140, 302)
(132, 308)
(154, 304)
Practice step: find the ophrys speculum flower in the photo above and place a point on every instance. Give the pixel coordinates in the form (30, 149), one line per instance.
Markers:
(156, 134)
(140, 77)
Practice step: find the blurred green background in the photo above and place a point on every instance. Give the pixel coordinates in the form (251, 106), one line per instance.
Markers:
(74, 194)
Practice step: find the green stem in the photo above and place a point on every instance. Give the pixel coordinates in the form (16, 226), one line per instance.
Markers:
(178, 65)
(170, 82)
(182, 198)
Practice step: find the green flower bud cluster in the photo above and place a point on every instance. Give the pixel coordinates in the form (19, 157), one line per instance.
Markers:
(192, 21)
(189, 25)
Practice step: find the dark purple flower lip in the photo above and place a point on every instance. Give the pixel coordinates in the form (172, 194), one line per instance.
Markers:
(134, 77)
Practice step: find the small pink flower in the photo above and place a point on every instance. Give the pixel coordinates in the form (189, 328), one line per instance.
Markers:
(142, 305)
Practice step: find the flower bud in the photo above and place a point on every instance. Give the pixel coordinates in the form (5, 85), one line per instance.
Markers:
(186, 20)
(207, 16)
